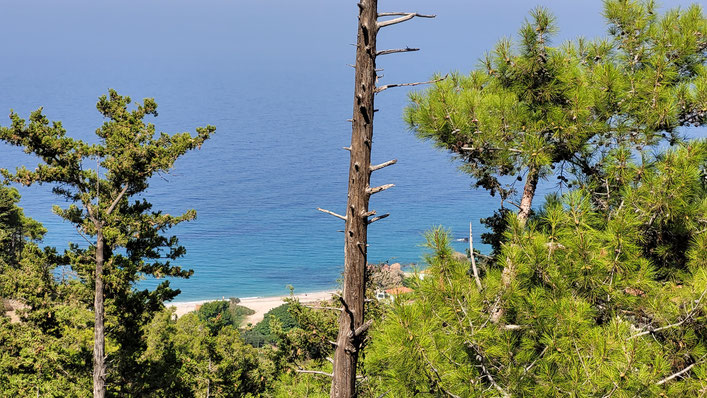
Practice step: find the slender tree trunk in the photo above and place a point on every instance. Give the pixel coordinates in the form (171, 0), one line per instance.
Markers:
(99, 366)
(355, 251)
(526, 202)
(208, 380)
(531, 183)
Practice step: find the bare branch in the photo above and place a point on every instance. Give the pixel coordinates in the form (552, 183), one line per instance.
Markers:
(386, 164)
(396, 50)
(527, 368)
(117, 199)
(645, 332)
(473, 260)
(314, 372)
(467, 148)
(346, 148)
(83, 236)
(362, 329)
(332, 213)
(387, 86)
(514, 327)
(395, 14)
(405, 17)
(488, 375)
(91, 215)
(314, 307)
(374, 219)
(680, 373)
(371, 191)
(672, 325)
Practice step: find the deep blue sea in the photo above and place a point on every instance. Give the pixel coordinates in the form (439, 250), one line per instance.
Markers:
(272, 76)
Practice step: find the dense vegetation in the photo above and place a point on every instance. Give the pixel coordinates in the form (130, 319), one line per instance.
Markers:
(601, 291)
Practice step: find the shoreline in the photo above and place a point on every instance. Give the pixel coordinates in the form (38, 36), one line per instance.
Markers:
(261, 305)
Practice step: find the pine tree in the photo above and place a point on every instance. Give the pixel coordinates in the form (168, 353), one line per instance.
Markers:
(127, 155)
(589, 311)
(534, 110)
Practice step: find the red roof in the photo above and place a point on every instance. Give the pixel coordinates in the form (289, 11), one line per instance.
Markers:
(398, 290)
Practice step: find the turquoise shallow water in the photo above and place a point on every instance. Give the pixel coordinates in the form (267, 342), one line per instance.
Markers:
(273, 77)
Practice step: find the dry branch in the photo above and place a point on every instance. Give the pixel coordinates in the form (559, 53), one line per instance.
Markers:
(117, 199)
(473, 260)
(514, 327)
(680, 373)
(362, 329)
(406, 16)
(314, 307)
(332, 213)
(314, 372)
(396, 50)
(371, 191)
(672, 325)
(374, 219)
(386, 164)
(387, 86)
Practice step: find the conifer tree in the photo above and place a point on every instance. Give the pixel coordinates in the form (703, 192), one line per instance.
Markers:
(589, 312)
(45, 349)
(127, 155)
(533, 110)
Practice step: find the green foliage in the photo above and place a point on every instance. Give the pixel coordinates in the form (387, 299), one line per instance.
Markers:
(534, 110)
(128, 153)
(583, 300)
(46, 350)
(301, 385)
(188, 359)
(15, 228)
(217, 314)
(263, 334)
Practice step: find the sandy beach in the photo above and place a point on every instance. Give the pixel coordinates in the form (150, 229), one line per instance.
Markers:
(260, 305)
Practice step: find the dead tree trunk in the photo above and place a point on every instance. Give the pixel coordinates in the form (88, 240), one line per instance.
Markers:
(351, 321)
(356, 230)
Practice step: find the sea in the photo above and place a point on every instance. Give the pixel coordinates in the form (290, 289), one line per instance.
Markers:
(274, 77)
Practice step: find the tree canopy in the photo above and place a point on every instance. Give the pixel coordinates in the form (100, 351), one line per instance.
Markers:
(128, 153)
(532, 110)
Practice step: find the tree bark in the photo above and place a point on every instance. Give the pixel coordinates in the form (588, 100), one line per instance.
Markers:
(99, 366)
(531, 183)
(356, 230)
(508, 274)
